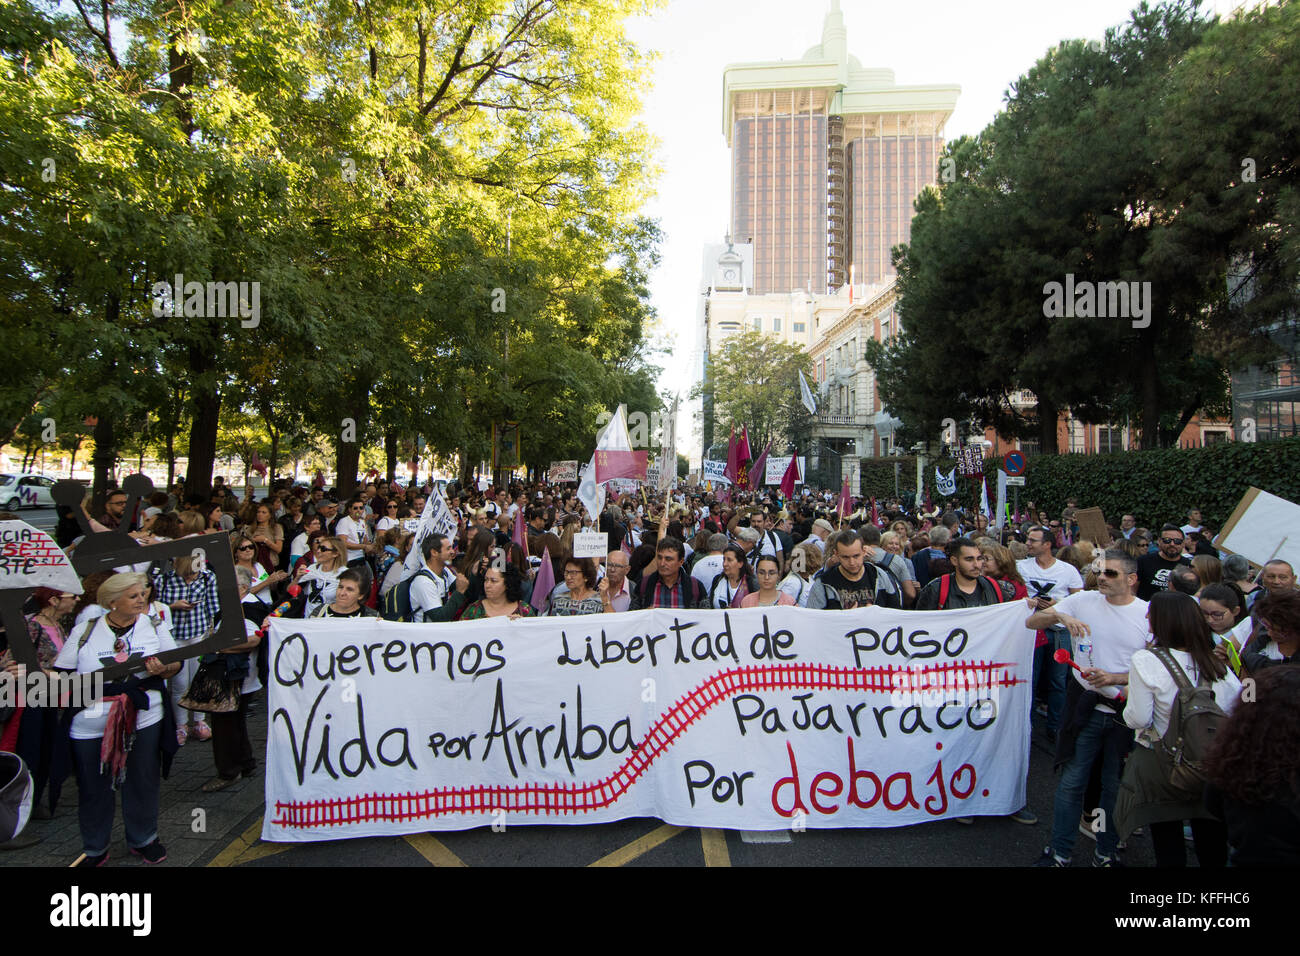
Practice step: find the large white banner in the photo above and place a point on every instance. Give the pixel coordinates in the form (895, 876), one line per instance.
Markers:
(29, 558)
(759, 719)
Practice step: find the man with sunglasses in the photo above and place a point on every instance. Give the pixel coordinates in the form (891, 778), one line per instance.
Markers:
(1108, 627)
(1154, 569)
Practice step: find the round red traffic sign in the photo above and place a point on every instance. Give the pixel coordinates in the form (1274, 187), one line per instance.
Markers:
(1014, 464)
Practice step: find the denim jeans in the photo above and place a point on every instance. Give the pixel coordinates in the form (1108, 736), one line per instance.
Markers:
(1074, 781)
(98, 800)
(1057, 674)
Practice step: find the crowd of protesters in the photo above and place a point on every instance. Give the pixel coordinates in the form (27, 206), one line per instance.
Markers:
(1130, 613)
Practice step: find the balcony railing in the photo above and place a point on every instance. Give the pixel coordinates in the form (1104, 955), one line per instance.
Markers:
(826, 418)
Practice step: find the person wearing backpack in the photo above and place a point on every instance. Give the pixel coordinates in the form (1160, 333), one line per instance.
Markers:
(435, 592)
(1179, 694)
(964, 586)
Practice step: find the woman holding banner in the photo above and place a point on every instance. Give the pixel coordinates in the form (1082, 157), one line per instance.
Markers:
(580, 578)
(736, 580)
(768, 572)
(502, 596)
(125, 740)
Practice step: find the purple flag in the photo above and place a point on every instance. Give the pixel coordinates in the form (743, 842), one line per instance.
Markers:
(543, 583)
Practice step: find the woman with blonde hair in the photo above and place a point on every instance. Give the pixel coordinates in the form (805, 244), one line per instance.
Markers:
(111, 751)
(266, 534)
(320, 580)
(1208, 568)
(804, 560)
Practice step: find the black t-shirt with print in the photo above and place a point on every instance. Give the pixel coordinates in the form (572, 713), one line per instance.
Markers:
(1153, 573)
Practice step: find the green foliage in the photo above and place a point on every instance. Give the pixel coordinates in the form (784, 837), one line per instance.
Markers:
(754, 381)
(1098, 168)
(1160, 485)
(364, 164)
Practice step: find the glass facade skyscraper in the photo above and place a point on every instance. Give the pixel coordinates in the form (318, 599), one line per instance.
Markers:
(827, 158)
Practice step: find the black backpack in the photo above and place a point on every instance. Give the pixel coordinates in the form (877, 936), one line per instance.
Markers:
(397, 602)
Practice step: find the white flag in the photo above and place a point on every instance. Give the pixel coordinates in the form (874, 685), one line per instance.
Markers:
(806, 394)
(946, 486)
(436, 518)
(591, 494)
(984, 499)
(613, 437)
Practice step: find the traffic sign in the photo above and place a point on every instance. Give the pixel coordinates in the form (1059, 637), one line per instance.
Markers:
(1016, 482)
(1014, 464)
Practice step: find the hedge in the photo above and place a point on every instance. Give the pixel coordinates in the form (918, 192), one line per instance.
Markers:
(1156, 486)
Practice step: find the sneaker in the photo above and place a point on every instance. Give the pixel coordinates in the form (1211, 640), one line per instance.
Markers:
(182, 735)
(1051, 859)
(1026, 816)
(202, 730)
(1085, 827)
(964, 821)
(153, 853)
(1099, 860)
(100, 860)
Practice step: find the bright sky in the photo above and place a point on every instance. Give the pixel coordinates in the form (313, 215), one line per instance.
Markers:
(980, 46)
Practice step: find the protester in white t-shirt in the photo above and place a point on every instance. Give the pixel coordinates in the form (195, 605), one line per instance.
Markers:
(1107, 627)
(709, 565)
(124, 632)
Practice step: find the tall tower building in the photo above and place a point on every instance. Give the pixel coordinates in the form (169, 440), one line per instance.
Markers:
(826, 159)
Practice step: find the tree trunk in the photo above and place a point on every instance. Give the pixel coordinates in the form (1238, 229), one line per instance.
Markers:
(275, 454)
(203, 442)
(206, 401)
(1048, 413)
(349, 452)
(104, 457)
(171, 461)
(1150, 391)
(390, 453)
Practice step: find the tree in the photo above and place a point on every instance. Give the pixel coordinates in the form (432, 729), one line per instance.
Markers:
(754, 381)
(1067, 180)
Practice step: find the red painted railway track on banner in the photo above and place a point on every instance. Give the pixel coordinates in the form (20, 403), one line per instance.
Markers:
(558, 798)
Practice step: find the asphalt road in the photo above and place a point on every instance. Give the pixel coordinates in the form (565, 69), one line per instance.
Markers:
(221, 830)
(43, 518)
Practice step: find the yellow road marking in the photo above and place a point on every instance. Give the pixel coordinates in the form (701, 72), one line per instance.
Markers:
(641, 845)
(715, 847)
(248, 847)
(433, 849)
